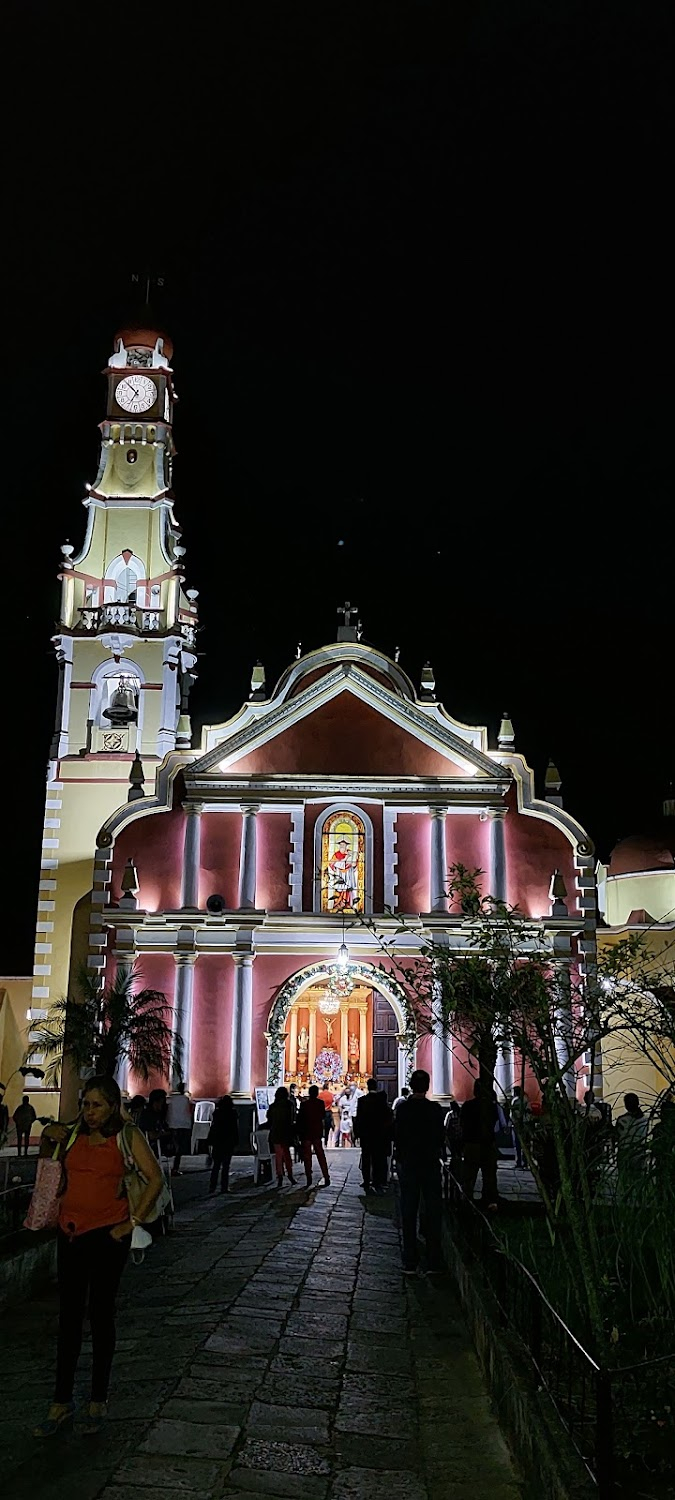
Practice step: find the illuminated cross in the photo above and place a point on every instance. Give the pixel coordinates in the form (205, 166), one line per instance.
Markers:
(347, 632)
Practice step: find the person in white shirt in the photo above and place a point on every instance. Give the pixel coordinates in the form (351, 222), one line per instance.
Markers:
(179, 1120)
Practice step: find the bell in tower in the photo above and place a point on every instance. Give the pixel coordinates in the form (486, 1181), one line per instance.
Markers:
(123, 709)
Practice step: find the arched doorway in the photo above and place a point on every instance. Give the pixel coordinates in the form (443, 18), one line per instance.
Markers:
(392, 1033)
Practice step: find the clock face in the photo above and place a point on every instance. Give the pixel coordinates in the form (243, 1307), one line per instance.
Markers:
(136, 393)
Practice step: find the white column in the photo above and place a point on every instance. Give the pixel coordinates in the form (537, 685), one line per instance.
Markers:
(439, 861)
(247, 858)
(344, 1036)
(189, 899)
(293, 1042)
(311, 1056)
(564, 1029)
(182, 1013)
(363, 1038)
(441, 1055)
(242, 1020)
(504, 1072)
(498, 878)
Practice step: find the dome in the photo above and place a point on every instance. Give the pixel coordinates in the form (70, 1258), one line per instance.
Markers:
(144, 338)
(643, 851)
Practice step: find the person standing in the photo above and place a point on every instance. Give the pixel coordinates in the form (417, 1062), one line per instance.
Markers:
(153, 1121)
(4, 1118)
(23, 1118)
(326, 1097)
(420, 1146)
(222, 1142)
(311, 1121)
(630, 1133)
(521, 1120)
(93, 1241)
(179, 1113)
(372, 1130)
(401, 1098)
(479, 1119)
(282, 1134)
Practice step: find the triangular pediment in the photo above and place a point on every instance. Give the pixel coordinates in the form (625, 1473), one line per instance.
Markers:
(345, 723)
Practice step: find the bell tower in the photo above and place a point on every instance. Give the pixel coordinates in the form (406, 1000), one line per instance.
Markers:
(125, 644)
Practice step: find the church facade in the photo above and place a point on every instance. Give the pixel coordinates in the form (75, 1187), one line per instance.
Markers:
(253, 879)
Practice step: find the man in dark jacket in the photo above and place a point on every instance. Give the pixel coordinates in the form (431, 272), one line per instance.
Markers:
(310, 1125)
(372, 1130)
(420, 1145)
(479, 1118)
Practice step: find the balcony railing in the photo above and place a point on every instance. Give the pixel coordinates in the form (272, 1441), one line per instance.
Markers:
(131, 616)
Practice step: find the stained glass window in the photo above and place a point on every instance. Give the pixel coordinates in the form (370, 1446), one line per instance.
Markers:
(343, 863)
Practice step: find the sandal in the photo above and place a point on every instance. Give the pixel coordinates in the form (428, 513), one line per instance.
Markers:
(51, 1425)
(93, 1419)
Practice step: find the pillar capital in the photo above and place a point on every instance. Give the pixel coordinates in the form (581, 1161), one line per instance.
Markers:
(193, 807)
(185, 958)
(242, 960)
(497, 814)
(249, 809)
(436, 810)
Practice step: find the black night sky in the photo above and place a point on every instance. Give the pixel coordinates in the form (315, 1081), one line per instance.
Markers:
(420, 292)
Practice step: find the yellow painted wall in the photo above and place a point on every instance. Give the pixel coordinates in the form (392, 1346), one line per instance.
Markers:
(625, 1069)
(654, 893)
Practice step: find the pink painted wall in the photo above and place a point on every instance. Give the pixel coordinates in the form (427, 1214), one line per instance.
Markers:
(346, 737)
(211, 1025)
(466, 842)
(155, 843)
(413, 834)
(270, 971)
(220, 846)
(273, 836)
(534, 849)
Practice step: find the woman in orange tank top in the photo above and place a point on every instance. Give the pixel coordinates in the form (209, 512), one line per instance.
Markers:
(93, 1241)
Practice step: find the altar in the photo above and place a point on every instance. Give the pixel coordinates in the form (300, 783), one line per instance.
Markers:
(329, 1037)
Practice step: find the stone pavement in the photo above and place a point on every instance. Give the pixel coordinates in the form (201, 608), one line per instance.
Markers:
(270, 1346)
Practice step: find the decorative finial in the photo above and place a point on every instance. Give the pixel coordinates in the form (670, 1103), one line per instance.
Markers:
(298, 651)
(557, 895)
(347, 631)
(129, 885)
(257, 693)
(136, 779)
(669, 803)
(553, 783)
(428, 688)
(397, 654)
(359, 629)
(506, 738)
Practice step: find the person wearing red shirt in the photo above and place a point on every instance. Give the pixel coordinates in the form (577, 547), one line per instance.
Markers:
(311, 1119)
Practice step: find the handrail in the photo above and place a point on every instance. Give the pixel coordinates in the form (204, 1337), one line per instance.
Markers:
(513, 1260)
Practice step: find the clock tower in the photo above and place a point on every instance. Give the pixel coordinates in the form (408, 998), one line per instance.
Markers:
(125, 646)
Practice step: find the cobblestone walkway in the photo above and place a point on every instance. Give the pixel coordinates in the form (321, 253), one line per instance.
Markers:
(270, 1346)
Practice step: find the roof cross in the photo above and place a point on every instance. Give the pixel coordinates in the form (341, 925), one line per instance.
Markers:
(347, 610)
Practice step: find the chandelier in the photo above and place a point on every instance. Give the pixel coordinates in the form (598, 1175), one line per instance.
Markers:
(340, 983)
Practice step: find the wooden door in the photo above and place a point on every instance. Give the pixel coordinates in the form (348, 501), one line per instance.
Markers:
(385, 1046)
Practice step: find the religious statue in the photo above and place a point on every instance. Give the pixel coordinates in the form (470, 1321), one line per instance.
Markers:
(328, 1023)
(353, 1049)
(303, 1041)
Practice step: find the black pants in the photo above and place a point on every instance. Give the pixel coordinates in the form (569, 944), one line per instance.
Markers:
(373, 1164)
(90, 1263)
(421, 1189)
(221, 1163)
(22, 1136)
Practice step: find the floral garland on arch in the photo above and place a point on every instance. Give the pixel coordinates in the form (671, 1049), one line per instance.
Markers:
(329, 1067)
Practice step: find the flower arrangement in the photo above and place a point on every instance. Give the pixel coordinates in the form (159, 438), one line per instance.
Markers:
(329, 1067)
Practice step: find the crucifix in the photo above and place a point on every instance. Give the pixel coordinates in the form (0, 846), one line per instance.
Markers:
(347, 632)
